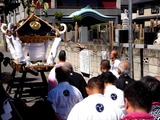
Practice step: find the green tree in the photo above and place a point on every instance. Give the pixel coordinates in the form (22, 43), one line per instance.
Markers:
(30, 6)
(77, 18)
(69, 27)
(58, 15)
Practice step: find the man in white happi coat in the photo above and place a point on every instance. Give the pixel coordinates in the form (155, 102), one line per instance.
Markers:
(111, 92)
(64, 96)
(114, 62)
(95, 106)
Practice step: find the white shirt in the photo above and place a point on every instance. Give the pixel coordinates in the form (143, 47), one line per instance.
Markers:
(114, 67)
(63, 97)
(95, 107)
(115, 96)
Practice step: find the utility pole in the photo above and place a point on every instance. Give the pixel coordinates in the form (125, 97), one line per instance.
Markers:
(130, 52)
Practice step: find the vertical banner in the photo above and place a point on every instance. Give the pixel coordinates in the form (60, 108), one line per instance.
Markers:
(85, 61)
(104, 55)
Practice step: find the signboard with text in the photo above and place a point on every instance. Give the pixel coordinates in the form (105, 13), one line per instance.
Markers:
(85, 61)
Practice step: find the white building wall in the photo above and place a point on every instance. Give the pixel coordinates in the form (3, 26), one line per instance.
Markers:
(118, 4)
(53, 3)
(20, 14)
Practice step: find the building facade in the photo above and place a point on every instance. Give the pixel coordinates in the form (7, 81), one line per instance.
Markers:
(103, 4)
(147, 10)
(67, 7)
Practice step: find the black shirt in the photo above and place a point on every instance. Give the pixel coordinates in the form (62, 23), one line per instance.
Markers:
(79, 82)
(123, 81)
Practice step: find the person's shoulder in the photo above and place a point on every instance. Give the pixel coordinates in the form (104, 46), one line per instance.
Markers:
(114, 89)
(53, 90)
(117, 61)
(75, 89)
(119, 91)
(99, 76)
(51, 94)
(126, 78)
(53, 70)
(138, 115)
(77, 74)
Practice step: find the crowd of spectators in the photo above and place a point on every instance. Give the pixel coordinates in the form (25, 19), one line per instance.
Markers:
(112, 95)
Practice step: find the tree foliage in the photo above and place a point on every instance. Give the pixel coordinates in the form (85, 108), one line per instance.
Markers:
(77, 18)
(58, 15)
(30, 6)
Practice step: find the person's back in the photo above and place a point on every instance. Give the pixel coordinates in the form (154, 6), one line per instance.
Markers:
(64, 96)
(124, 79)
(111, 92)
(95, 106)
(76, 79)
(79, 82)
(105, 67)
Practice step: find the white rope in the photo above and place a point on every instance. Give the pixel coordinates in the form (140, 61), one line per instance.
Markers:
(10, 25)
(2, 27)
(65, 28)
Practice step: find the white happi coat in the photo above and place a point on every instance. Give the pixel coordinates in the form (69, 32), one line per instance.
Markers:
(63, 97)
(115, 96)
(95, 107)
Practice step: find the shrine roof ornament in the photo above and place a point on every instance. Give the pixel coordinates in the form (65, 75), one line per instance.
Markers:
(34, 25)
(35, 29)
(87, 9)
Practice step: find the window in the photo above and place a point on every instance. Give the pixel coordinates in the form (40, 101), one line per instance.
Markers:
(141, 10)
(154, 9)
